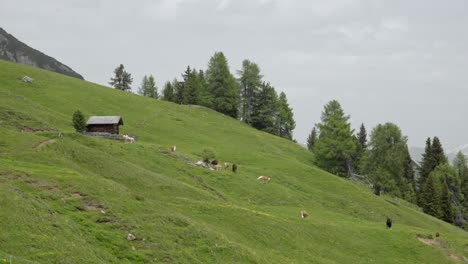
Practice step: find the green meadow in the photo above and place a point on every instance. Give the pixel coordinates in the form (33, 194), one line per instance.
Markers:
(75, 198)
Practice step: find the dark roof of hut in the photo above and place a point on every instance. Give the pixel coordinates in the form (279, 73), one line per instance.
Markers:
(105, 120)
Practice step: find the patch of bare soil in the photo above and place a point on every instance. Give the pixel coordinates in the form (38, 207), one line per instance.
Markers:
(77, 194)
(43, 143)
(439, 243)
(91, 207)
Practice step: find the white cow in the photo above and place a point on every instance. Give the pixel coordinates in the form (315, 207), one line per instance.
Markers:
(128, 138)
(265, 179)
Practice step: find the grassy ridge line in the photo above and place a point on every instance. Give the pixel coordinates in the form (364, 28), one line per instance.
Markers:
(176, 207)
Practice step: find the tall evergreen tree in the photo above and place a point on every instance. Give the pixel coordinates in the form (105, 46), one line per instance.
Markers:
(388, 153)
(264, 116)
(179, 91)
(446, 204)
(431, 198)
(460, 164)
(122, 79)
(204, 97)
(192, 87)
(362, 137)
(222, 86)
(312, 139)
(285, 122)
(148, 87)
(438, 152)
(250, 81)
(427, 164)
(361, 147)
(168, 92)
(335, 145)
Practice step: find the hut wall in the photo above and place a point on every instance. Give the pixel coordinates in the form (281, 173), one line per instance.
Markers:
(109, 128)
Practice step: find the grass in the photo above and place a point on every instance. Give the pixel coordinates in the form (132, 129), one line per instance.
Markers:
(75, 199)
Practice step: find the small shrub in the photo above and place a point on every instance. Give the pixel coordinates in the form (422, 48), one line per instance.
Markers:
(79, 122)
(208, 154)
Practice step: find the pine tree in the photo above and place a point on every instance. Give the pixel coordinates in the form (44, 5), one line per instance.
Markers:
(250, 81)
(78, 121)
(431, 198)
(438, 152)
(446, 204)
(335, 145)
(388, 153)
(362, 137)
(312, 139)
(168, 92)
(191, 90)
(427, 164)
(122, 79)
(285, 122)
(264, 116)
(460, 164)
(204, 96)
(148, 87)
(361, 147)
(222, 86)
(179, 91)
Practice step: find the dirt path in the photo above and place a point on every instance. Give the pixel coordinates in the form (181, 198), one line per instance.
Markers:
(43, 143)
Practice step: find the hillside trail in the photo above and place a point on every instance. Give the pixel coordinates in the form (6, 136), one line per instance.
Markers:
(43, 143)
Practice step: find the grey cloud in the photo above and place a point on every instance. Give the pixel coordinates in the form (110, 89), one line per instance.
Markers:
(398, 61)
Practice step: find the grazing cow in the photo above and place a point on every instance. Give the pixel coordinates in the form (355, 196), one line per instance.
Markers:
(437, 234)
(304, 214)
(389, 223)
(214, 162)
(173, 148)
(264, 179)
(217, 167)
(226, 165)
(234, 167)
(128, 138)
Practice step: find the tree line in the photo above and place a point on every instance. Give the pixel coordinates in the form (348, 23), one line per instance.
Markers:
(248, 97)
(439, 188)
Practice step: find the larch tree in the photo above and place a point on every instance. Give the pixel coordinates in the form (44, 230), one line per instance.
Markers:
(285, 122)
(122, 79)
(250, 81)
(264, 117)
(168, 92)
(312, 139)
(222, 86)
(148, 87)
(335, 145)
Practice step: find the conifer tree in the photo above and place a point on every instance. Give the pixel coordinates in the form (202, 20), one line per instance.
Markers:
(204, 96)
(438, 152)
(427, 164)
(222, 86)
(335, 145)
(431, 198)
(361, 147)
(312, 139)
(78, 121)
(264, 116)
(362, 137)
(168, 92)
(460, 164)
(122, 79)
(285, 122)
(446, 204)
(192, 88)
(250, 81)
(148, 87)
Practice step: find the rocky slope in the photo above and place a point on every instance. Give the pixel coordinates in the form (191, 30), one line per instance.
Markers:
(12, 49)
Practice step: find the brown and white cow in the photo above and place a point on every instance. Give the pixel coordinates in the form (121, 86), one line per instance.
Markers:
(304, 214)
(264, 179)
(173, 148)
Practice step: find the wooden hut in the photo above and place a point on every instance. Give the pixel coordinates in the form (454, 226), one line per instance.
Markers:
(104, 124)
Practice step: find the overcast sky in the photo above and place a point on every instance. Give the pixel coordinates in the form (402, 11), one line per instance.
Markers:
(385, 61)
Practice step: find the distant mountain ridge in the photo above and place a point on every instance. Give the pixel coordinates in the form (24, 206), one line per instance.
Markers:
(11, 49)
(416, 152)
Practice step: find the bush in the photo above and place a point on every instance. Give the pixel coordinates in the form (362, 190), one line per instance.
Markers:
(208, 154)
(79, 122)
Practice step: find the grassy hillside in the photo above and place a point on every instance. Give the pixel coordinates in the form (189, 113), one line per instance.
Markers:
(74, 199)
